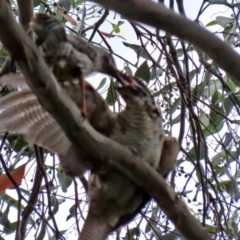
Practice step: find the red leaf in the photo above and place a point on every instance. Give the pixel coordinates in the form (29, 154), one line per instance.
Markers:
(67, 17)
(17, 175)
(110, 35)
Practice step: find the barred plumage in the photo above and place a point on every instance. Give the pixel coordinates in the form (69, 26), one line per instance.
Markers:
(22, 113)
(114, 200)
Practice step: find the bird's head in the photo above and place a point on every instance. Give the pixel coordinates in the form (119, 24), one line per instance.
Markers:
(136, 94)
(46, 26)
(105, 64)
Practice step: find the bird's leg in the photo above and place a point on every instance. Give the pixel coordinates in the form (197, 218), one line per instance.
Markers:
(83, 106)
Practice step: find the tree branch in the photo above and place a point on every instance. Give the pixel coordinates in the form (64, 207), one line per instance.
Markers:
(80, 132)
(158, 16)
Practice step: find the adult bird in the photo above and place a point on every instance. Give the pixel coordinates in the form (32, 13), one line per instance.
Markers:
(22, 113)
(70, 56)
(138, 127)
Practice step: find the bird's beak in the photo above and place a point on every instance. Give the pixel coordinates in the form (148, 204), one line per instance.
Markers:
(122, 78)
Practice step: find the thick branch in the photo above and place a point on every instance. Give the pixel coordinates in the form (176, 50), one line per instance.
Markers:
(158, 16)
(25, 12)
(79, 131)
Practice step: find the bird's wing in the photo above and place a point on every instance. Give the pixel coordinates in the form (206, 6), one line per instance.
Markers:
(22, 113)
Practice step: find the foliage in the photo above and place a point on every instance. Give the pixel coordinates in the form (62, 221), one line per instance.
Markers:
(199, 102)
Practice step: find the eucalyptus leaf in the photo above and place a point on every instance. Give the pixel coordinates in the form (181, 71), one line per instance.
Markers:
(115, 28)
(143, 72)
(102, 83)
(111, 94)
(64, 180)
(139, 50)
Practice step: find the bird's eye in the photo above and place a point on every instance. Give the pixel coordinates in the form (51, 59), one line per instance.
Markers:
(135, 91)
(108, 61)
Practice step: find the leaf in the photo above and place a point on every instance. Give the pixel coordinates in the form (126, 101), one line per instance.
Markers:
(110, 35)
(111, 94)
(128, 70)
(42, 232)
(36, 3)
(66, 16)
(168, 87)
(175, 105)
(62, 232)
(212, 23)
(102, 83)
(17, 175)
(156, 73)
(12, 228)
(133, 233)
(19, 145)
(76, 28)
(192, 74)
(4, 221)
(204, 119)
(55, 204)
(64, 4)
(120, 23)
(143, 72)
(192, 153)
(64, 180)
(223, 21)
(115, 28)
(139, 50)
(227, 139)
(78, 2)
(72, 211)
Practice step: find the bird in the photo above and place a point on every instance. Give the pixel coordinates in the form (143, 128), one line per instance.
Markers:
(70, 56)
(138, 127)
(114, 199)
(22, 113)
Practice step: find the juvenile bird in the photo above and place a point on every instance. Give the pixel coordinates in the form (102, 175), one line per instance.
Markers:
(114, 199)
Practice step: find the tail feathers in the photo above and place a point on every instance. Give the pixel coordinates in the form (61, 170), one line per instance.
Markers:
(94, 228)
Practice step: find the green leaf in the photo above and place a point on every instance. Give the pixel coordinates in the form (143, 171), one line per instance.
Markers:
(128, 70)
(65, 4)
(193, 155)
(111, 94)
(115, 28)
(42, 232)
(204, 119)
(212, 23)
(223, 21)
(12, 228)
(102, 83)
(62, 232)
(192, 74)
(175, 105)
(78, 2)
(133, 234)
(36, 2)
(139, 50)
(143, 72)
(120, 23)
(55, 204)
(168, 87)
(19, 145)
(64, 180)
